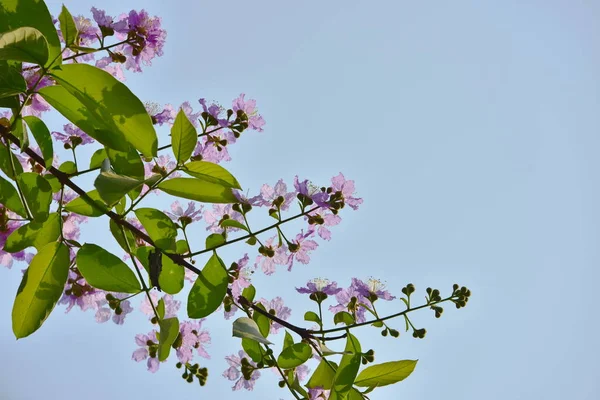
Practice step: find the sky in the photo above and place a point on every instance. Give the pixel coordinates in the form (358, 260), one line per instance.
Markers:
(471, 131)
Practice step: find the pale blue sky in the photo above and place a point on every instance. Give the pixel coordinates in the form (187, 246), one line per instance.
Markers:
(471, 130)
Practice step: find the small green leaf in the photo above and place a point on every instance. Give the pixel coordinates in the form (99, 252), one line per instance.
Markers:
(348, 369)
(159, 227)
(181, 247)
(249, 293)
(67, 27)
(211, 172)
(209, 289)
(111, 102)
(68, 167)
(246, 328)
(195, 189)
(112, 187)
(42, 137)
(34, 234)
(19, 130)
(169, 330)
(171, 276)
(41, 288)
(312, 316)
(263, 322)
(343, 317)
(11, 81)
(106, 271)
(5, 163)
(295, 355)
(9, 197)
(385, 373)
(128, 163)
(233, 224)
(160, 309)
(83, 206)
(288, 340)
(183, 137)
(323, 375)
(97, 158)
(38, 194)
(213, 240)
(24, 44)
(252, 348)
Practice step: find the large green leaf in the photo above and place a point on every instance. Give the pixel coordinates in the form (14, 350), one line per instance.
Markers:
(211, 172)
(183, 137)
(38, 194)
(209, 289)
(169, 329)
(5, 163)
(171, 276)
(67, 26)
(24, 44)
(159, 227)
(9, 197)
(385, 373)
(83, 206)
(106, 271)
(294, 355)
(34, 234)
(348, 369)
(111, 101)
(196, 189)
(41, 287)
(42, 136)
(121, 235)
(34, 13)
(323, 375)
(11, 80)
(252, 347)
(127, 163)
(113, 187)
(246, 328)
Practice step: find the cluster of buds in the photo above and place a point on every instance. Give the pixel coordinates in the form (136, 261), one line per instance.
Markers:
(192, 371)
(247, 369)
(240, 123)
(113, 302)
(393, 332)
(368, 357)
(460, 297)
(77, 289)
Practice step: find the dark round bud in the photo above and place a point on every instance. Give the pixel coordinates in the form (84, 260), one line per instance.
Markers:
(394, 333)
(384, 332)
(281, 384)
(154, 320)
(178, 365)
(118, 311)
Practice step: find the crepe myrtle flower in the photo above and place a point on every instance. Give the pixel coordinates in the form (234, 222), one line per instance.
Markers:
(72, 137)
(148, 350)
(107, 23)
(300, 248)
(246, 113)
(242, 370)
(352, 300)
(109, 65)
(276, 196)
(191, 337)
(373, 289)
(276, 308)
(319, 289)
(220, 212)
(270, 256)
(346, 188)
(116, 306)
(187, 216)
(160, 115)
(318, 393)
(242, 274)
(35, 104)
(171, 305)
(212, 114)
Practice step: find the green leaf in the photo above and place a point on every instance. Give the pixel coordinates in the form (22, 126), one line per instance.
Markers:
(42, 136)
(249, 293)
(312, 316)
(9, 197)
(117, 233)
(68, 167)
(34, 234)
(112, 187)
(252, 348)
(183, 137)
(209, 289)
(211, 172)
(97, 158)
(323, 375)
(128, 164)
(288, 340)
(348, 369)
(354, 394)
(83, 206)
(246, 328)
(5, 163)
(171, 276)
(24, 44)
(295, 355)
(20, 130)
(106, 271)
(234, 224)
(343, 317)
(159, 227)
(41, 287)
(263, 322)
(111, 101)
(169, 330)
(385, 373)
(38, 194)
(182, 247)
(31, 13)
(160, 309)
(11, 80)
(214, 240)
(54, 182)
(195, 189)
(142, 254)
(67, 27)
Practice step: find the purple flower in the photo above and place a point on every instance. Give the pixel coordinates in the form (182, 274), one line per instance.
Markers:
(79, 293)
(185, 217)
(148, 350)
(6, 228)
(213, 217)
(242, 282)
(115, 69)
(209, 149)
(339, 183)
(192, 338)
(320, 285)
(268, 263)
(318, 393)
(215, 111)
(106, 21)
(270, 194)
(300, 248)
(242, 198)
(165, 116)
(189, 112)
(171, 305)
(282, 312)
(344, 296)
(234, 373)
(103, 314)
(88, 33)
(373, 287)
(307, 189)
(255, 120)
(73, 136)
(36, 104)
